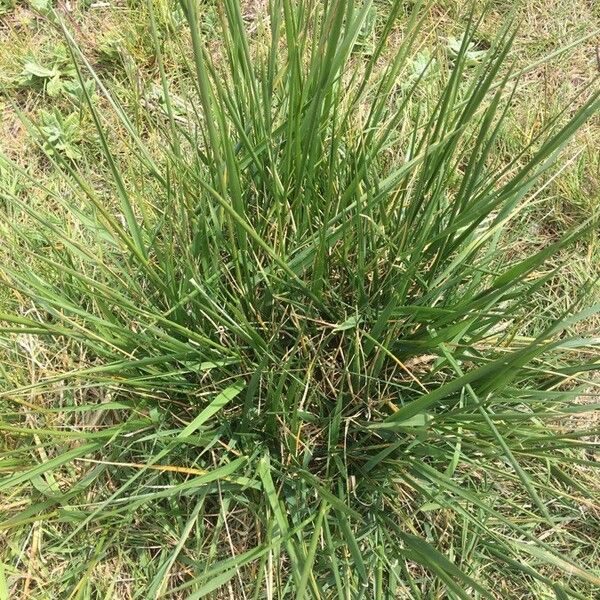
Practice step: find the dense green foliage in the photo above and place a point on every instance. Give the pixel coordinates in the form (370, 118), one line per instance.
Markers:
(296, 362)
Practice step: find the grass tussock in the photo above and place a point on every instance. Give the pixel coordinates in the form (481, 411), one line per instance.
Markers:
(291, 352)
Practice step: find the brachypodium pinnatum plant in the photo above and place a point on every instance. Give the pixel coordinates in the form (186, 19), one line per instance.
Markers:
(293, 361)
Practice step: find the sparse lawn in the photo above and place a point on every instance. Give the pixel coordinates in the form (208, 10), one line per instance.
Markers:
(299, 299)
